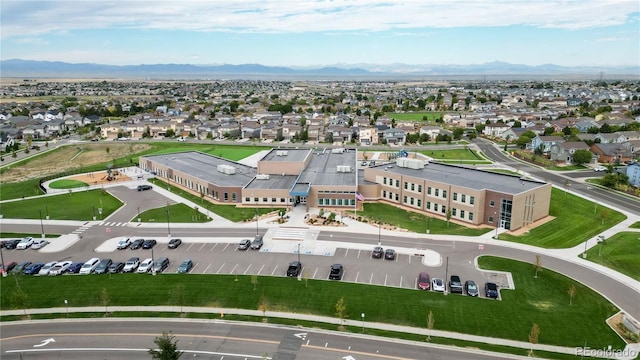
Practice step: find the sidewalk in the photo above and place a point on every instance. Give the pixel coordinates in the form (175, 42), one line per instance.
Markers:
(633, 349)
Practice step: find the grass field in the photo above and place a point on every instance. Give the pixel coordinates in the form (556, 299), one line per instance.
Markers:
(178, 213)
(621, 252)
(576, 220)
(66, 184)
(414, 222)
(542, 300)
(415, 116)
(454, 155)
(8, 235)
(74, 206)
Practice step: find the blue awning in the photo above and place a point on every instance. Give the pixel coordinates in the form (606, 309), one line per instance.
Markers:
(300, 189)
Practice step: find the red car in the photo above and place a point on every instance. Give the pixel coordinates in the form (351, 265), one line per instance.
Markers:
(9, 265)
(423, 282)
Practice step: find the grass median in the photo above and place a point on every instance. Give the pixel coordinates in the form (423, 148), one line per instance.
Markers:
(541, 300)
(620, 253)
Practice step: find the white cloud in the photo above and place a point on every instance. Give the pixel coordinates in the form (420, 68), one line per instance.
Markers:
(27, 18)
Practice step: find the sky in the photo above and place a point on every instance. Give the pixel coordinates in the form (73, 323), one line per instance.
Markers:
(320, 33)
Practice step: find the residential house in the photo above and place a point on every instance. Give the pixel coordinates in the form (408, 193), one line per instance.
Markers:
(226, 129)
(633, 173)
(315, 133)
(583, 124)
(271, 132)
(250, 129)
(512, 134)
(394, 136)
(611, 138)
(563, 152)
(368, 135)
(612, 153)
(495, 130)
(289, 131)
(545, 143)
(340, 134)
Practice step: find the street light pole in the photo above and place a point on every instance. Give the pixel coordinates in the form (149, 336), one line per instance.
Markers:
(298, 252)
(362, 322)
(168, 225)
(497, 224)
(379, 240)
(41, 224)
(257, 221)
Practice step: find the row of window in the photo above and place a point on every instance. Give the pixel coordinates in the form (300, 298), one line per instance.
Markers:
(265, 200)
(336, 202)
(454, 212)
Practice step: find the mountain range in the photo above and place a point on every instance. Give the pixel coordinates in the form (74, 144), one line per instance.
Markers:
(17, 68)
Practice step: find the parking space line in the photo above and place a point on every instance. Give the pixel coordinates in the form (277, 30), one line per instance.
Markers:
(262, 267)
(385, 279)
(400, 280)
(249, 267)
(194, 267)
(213, 247)
(314, 273)
(346, 252)
(274, 270)
(190, 246)
(234, 269)
(410, 259)
(371, 279)
(205, 270)
(218, 272)
(359, 251)
(357, 274)
(201, 247)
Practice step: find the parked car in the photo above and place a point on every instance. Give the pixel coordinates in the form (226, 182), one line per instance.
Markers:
(437, 284)
(60, 268)
(294, 268)
(491, 290)
(390, 254)
(257, 242)
(19, 269)
(149, 243)
(90, 265)
(131, 265)
(46, 268)
(471, 288)
(7, 267)
(136, 244)
(423, 282)
(33, 268)
(145, 266)
(103, 266)
(25, 243)
(12, 244)
(124, 243)
(599, 168)
(455, 284)
(377, 253)
(244, 244)
(144, 187)
(74, 268)
(115, 267)
(185, 267)
(336, 272)
(160, 265)
(39, 244)
(174, 243)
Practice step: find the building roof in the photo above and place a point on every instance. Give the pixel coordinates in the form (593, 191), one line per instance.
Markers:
(323, 168)
(205, 167)
(286, 154)
(274, 182)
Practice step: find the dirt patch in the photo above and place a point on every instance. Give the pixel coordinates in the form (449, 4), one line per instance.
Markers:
(101, 177)
(615, 322)
(70, 157)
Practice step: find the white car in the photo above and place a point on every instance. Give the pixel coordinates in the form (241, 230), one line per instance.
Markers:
(60, 268)
(47, 267)
(124, 243)
(145, 266)
(599, 168)
(89, 266)
(25, 243)
(39, 244)
(131, 265)
(437, 284)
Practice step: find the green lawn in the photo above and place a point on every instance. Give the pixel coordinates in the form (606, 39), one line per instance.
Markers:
(73, 206)
(543, 300)
(178, 213)
(231, 152)
(9, 235)
(576, 220)
(20, 189)
(230, 212)
(621, 252)
(454, 155)
(635, 225)
(415, 116)
(413, 221)
(67, 184)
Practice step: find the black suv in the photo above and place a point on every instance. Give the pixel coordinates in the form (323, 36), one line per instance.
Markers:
(455, 285)
(144, 187)
(491, 290)
(257, 242)
(294, 268)
(336, 272)
(377, 253)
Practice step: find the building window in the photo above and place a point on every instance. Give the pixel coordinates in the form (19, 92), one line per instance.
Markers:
(384, 181)
(406, 185)
(273, 200)
(428, 205)
(444, 194)
(470, 216)
(464, 198)
(390, 195)
(233, 197)
(413, 187)
(472, 199)
(435, 207)
(247, 199)
(352, 202)
(404, 199)
(384, 193)
(226, 196)
(397, 197)
(454, 211)
(436, 193)
(490, 219)
(419, 203)
(264, 199)
(455, 196)
(462, 214)
(397, 183)
(256, 200)
(429, 190)
(419, 188)
(492, 204)
(411, 201)
(281, 200)
(444, 209)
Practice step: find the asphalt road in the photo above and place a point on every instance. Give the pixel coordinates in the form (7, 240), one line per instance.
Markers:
(126, 339)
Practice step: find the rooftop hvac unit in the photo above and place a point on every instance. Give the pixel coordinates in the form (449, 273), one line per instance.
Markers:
(282, 153)
(337, 151)
(226, 169)
(410, 163)
(343, 168)
(262, 177)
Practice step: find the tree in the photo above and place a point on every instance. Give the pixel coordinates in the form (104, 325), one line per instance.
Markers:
(448, 216)
(167, 348)
(522, 141)
(430, 322)
(341, 310)
(538, 265)
(533, 336)
(572, 293)
(263, 305)
(581, 156)
(19, 299)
